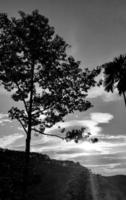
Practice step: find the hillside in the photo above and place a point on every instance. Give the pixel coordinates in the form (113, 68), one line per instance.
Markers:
(55, 180)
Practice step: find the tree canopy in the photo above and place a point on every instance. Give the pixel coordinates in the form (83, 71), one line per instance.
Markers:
(35, 67)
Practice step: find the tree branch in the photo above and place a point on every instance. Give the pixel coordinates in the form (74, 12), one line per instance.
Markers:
(22, 125)
(23, 99)
(54, 135)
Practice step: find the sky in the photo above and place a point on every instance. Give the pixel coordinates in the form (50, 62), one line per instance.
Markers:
(96, 31)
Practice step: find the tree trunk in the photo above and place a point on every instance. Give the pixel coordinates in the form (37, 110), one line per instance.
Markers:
(28, 138)
(124, 97)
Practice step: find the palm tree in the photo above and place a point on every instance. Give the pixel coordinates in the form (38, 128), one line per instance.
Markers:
(115, 75)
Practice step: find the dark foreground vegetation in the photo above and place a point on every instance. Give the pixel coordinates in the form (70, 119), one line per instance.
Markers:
(55, 180)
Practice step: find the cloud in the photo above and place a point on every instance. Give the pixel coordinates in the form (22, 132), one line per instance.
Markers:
(47, 144)
(91, 123)
(2, 115)
(101, 117)
(62, 150)
(20, 128)
(4, 91)
(71, 150)
(4, 119)
(6, 141)
(100, 92)
(113, 137)
(108, 169)
(105, 96)
(101, 153)
(105, 156)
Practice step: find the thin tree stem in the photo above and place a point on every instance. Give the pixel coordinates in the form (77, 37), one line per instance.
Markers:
(52, 135)
(22, 125)
(124, 97)
(28, 137)
(25, 105)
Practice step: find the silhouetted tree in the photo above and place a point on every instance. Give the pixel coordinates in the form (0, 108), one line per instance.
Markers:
(35, 67)
(115, 76)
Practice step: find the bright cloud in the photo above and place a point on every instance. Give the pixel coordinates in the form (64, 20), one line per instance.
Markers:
(96, 92)
(87, 147)
(92, 123)
(3, 115)
(8, 140)
(4, 119)
(85, 152)
(101, 117)
(3, 91)
(113, 137)
(100, 92)
(102, 157)
(88, 154)
(89, 124)
(59, 147)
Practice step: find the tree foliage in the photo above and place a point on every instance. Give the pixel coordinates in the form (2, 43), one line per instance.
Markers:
(35, 67)
(115, 75)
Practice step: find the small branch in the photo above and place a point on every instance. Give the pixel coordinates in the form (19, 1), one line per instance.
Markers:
(54, 135)
(124, 96)
(25, 106)
(23, 99)
(22, 126)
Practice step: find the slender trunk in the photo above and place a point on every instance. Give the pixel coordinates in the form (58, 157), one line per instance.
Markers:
(124, 97)
(28, 138)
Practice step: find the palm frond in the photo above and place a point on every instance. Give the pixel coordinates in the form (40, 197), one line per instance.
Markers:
(115, 74)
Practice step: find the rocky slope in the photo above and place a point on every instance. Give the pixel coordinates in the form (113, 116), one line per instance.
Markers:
(55, 180)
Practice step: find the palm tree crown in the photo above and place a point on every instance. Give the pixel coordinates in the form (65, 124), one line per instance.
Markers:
(115, 75)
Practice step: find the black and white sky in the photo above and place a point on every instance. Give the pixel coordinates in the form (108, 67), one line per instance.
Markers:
(96, 31)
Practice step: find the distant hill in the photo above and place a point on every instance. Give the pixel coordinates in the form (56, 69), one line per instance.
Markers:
(55, 180)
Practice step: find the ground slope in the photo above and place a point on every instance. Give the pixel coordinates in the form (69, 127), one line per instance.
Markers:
(55, 180)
